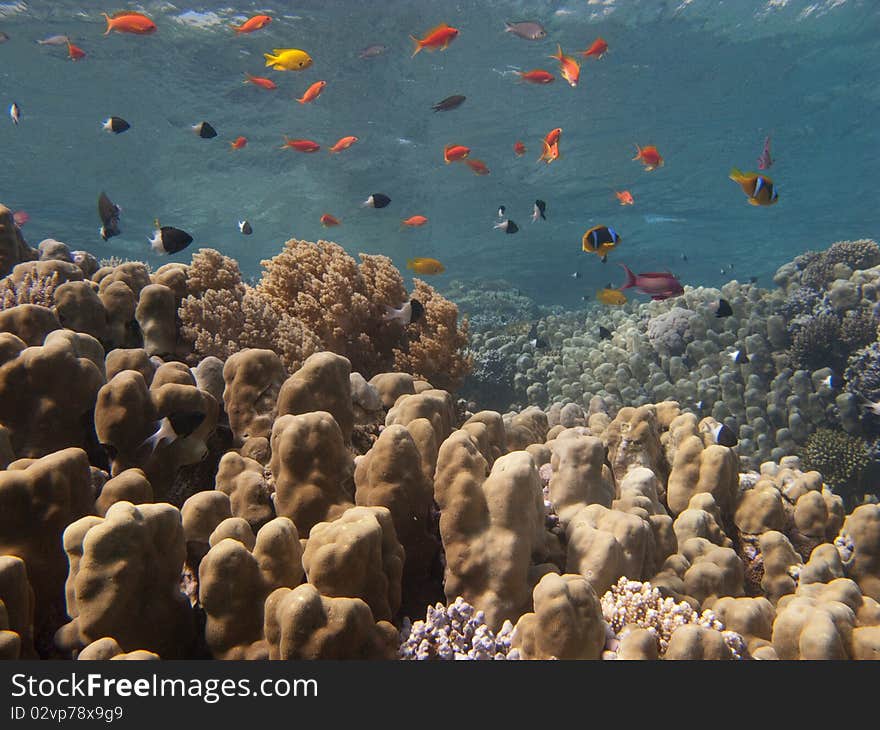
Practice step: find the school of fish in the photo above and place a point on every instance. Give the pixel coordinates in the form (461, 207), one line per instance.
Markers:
(599, 240)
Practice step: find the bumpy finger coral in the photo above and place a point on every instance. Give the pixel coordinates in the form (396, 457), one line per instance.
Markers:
(156, 312)
(390, 475)
(47, 394)
(108, 648)
(751, 618)
(490, 527)
(633, 439)
(862, 530)
(127, 414)
(124, 581)
(579, 476)
(697, 467)
(234, 581)
(321, 384)
(567, 622)
(130, 485)
(313, 469)
(303, 624)
(357, 556)
(38, 499)
(253, 380)
(16, 610)
(605, 545)
(244, 481)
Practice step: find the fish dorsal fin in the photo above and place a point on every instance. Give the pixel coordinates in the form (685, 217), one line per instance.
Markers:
(437, 29)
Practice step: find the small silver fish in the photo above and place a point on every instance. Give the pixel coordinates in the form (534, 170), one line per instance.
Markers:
(376, 49)
(15, 113)
(530, 30)
(245, 228)
(54, 40)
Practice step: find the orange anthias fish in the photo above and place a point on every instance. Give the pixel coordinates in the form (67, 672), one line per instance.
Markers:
(478, 166)
(625, 197)
(598, 49)
(329, 220)
(425, 266)
(536, 76)
(300, 145)
(343, 143)
(519, 148)
(260, 81)
(238, 143)
(129, 23)
(313, 92)
(454, 152)
(550, 152)
(252, 24)
(439, 37)
(74, 53)
(568, 67)
(649, 156)
(553, 136)
(414, 221)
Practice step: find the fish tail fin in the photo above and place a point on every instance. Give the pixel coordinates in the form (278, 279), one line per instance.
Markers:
(545, 153)
(558, 55)
(736, 175)
(391, 314)
(109, 24)
(301, 100)
(286, 140)
(410, 264)
(417, 47)
(270, 59)
(630, 277)
(638, 153)
(604, 258)
(165, 432)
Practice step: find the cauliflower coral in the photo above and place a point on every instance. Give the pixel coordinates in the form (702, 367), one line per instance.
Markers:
(314, 296)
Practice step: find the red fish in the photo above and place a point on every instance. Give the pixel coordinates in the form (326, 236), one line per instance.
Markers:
(597, 49)
(649, 156)
(20, 218)
(439, 37)
(129, 23)
(252, 24)
(261, 82)
(657, 284)
(625, 197)
(454, 152)
(415, 221)
(536, 76)
(313, 92)
(238, 143)
(478, 166)
(343, 143)
(550, 146)
(568, 67)
(519, 148)
(553, 136)
(329, 220)
(74, 53)
(300, 145)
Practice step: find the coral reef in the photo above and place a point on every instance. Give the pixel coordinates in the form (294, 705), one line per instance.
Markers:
(242, 499)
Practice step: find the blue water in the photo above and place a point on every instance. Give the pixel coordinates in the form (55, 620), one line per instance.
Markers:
(703, 80)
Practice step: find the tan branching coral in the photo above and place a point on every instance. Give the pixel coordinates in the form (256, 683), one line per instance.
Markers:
(436, 347)
(222, 315)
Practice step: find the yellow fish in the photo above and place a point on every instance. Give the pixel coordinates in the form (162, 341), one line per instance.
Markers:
(611, 296)
(425, 266)
(288, 59)
(759, 188)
